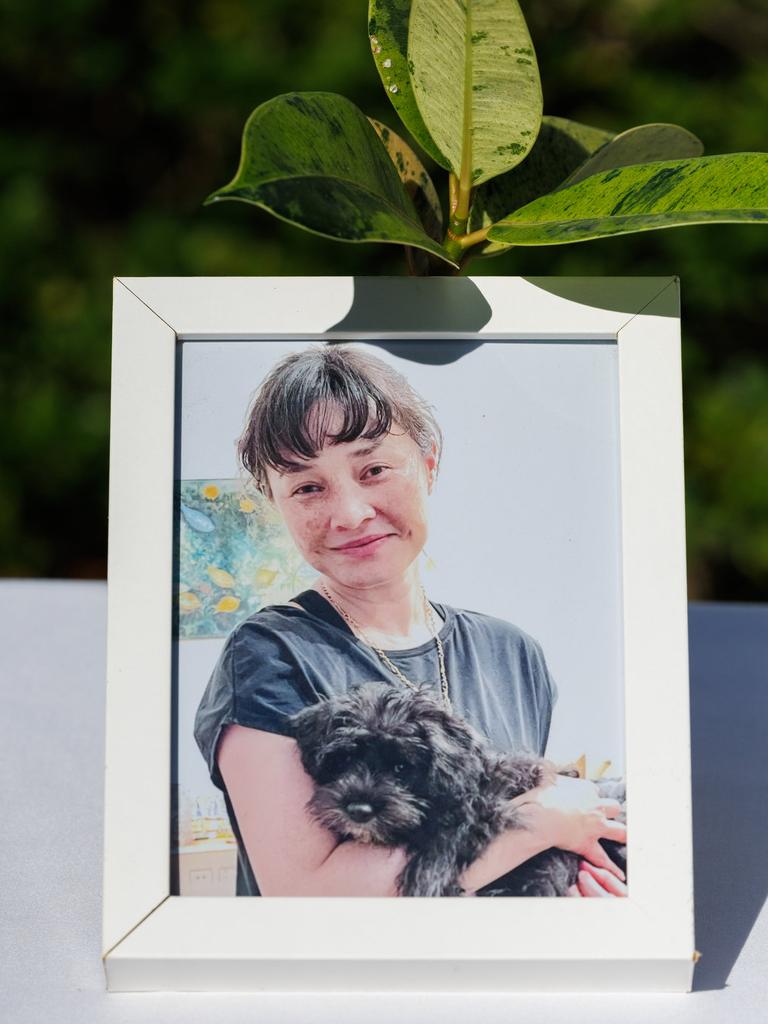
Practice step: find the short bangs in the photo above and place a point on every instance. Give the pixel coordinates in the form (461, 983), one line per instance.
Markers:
(292, 410)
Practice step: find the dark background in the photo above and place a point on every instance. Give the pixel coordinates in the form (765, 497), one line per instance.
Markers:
(120, 119)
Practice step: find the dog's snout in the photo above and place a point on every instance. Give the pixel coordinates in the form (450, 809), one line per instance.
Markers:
(360, 812)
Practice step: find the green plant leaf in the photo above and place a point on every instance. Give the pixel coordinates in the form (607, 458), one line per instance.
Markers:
(314, 159)
(566, 152)
(560, 148)
(415, 178)
(388, 35)
(476, 82)
(665, 194)
(644, 144)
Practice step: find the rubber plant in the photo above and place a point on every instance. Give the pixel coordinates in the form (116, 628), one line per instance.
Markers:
(462, 77)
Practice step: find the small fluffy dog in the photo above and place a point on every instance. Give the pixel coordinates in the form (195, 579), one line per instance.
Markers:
(393, 767)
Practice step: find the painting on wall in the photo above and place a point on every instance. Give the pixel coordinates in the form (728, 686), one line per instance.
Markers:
(235, 557)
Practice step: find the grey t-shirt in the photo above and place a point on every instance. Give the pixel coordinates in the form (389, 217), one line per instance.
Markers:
(282, 658)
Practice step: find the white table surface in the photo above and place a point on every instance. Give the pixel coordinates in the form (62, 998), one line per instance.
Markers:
(51, 758)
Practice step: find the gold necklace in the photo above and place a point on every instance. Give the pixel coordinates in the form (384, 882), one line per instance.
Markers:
(430, 616)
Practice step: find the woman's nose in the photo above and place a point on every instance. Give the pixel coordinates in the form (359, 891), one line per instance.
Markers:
(350, 508)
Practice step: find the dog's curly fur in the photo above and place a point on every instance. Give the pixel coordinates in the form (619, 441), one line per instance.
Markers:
(393, 767)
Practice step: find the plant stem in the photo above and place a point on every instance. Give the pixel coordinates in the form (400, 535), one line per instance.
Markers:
(473, 238)
(460, 201)
(453, 193)
(457, 225)
(453, 247)
(456, 240)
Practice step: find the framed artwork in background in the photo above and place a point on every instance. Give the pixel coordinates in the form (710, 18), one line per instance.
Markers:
(544, 519)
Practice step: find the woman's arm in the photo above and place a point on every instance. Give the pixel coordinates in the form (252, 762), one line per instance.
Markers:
(293, 855)
(507, 851)
(568, 814)
(290, 853)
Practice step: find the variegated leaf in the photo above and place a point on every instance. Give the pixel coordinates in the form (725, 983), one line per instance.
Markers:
(670, 193)
(315, 160)
(476, 83)
(388, 35)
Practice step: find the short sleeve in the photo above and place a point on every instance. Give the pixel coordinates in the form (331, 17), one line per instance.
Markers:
(546, 692)
(256, 683)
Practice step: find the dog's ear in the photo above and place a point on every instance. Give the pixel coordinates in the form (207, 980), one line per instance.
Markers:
(311, 727)
(459, 754)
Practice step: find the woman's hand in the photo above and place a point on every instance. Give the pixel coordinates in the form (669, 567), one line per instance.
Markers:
(571, 815)
(594, 881)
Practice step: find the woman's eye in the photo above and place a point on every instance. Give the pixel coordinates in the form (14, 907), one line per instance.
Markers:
(376, 470)
(307, 489)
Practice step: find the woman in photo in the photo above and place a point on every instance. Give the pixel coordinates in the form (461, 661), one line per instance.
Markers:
(348, 454)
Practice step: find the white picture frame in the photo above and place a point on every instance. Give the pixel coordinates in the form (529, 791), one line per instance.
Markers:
(155, 941)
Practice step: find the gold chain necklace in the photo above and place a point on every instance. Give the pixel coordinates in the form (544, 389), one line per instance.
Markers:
(430, 616)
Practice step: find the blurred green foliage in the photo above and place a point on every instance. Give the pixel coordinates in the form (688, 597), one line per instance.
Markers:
(120, 119)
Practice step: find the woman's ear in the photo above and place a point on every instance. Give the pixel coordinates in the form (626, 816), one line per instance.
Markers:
(430, 461)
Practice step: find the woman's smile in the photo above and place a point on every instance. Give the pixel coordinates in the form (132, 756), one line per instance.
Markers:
(365, 547)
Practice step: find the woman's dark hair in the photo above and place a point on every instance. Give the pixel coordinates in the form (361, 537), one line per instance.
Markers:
(370, 395)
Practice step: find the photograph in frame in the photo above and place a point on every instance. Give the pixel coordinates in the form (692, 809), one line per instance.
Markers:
(154, 935)
(517, 543)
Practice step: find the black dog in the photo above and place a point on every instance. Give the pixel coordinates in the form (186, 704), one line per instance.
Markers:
(392, 767)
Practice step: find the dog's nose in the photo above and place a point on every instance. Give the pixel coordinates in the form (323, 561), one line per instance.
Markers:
(360, 812)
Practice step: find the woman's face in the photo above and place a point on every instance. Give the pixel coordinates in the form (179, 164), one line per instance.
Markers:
(357, 512)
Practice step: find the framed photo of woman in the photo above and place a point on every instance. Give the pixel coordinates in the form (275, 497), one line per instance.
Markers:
(397, 607)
